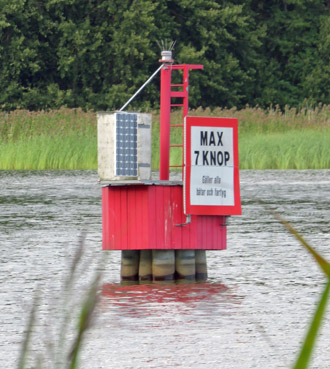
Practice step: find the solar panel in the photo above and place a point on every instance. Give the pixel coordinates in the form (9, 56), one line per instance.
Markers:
(126, 145)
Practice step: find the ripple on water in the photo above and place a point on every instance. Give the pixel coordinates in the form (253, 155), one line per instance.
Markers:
(251, 313)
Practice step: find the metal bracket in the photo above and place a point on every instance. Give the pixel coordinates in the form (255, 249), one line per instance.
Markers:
(188, 221)
(141, 88)
(225, 223)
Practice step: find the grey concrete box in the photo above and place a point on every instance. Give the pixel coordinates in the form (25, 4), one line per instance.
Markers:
(124, 146)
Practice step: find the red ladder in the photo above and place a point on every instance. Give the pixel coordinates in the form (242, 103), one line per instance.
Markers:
(165, 112)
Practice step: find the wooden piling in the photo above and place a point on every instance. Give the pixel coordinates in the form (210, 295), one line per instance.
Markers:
(130, 265)
(185, 264)
(201, 265)
(163, 265)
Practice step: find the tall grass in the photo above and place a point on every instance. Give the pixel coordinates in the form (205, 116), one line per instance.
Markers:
(268, 139)
(296, 149)
(61, 350)
(62, 139)
(21, 124)
(308, 345)
(72, 151)
(66, 138)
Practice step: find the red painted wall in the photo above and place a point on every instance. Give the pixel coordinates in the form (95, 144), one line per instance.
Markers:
(138, 217)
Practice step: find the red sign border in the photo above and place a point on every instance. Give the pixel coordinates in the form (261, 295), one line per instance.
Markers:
(210, 209)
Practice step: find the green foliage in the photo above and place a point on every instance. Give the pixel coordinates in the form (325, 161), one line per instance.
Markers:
(292, 33)
(94, 54)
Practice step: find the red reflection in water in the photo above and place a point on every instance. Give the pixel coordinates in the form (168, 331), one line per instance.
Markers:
(146, 298)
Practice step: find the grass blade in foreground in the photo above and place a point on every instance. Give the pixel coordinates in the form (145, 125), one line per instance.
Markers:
(324, 264)
(84, 321)
(64, 311)
(27, 338)
(306, 350)
(309, 343)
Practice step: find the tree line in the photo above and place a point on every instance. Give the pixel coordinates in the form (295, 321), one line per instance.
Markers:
(94, 54)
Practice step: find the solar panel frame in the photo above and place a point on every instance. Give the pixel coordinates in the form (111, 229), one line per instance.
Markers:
(126, 160)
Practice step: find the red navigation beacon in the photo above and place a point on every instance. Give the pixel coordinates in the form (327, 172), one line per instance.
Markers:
(145, 214)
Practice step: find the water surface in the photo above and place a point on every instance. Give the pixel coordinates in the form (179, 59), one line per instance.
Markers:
(251, 313)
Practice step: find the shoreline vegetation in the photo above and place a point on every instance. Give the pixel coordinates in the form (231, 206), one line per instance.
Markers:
(67, 138)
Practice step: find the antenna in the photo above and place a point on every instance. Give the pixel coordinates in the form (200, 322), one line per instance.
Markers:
(166, 45)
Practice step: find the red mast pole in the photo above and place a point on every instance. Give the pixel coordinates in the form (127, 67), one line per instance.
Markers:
(185, 90)
(165, 107)
(165, 113)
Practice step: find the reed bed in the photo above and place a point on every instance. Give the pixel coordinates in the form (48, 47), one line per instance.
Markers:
(297, 149)
(42, 152)
(21, 124)
(268, 139)
(62, 139)
(66, 138)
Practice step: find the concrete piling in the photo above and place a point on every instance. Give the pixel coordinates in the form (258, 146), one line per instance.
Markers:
(201, 265)
(145, 265)
(185, 264)
(163, 265)
(130, 265)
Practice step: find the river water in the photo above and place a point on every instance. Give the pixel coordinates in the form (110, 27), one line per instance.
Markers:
(251, 313)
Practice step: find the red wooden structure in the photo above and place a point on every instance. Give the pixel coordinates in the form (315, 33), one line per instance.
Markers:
(139, 217)
(149, 215)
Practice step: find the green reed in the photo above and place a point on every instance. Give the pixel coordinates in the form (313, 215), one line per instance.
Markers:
(62, 139)
(66, 138)
(21, 124)
(61, 350)
(296, 149)
(268, 139)
(72, 151)
(308, 345)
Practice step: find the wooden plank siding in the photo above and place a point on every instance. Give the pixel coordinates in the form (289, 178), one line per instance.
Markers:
(139, 217)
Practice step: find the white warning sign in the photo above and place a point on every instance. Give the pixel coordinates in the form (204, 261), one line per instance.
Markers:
(210, 170)
(212, 166)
